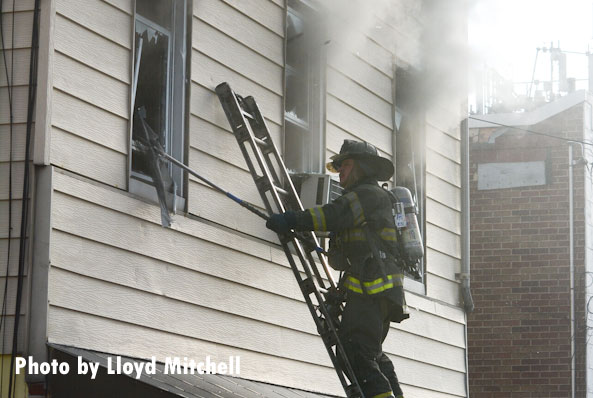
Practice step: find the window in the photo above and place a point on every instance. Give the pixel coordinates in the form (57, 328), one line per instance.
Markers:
(159, 87)
(409, 141)
(304, 142)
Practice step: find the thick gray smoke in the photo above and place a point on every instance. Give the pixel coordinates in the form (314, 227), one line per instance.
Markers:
(429, 38)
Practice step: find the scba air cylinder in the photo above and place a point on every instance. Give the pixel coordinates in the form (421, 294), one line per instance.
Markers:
(407, 225)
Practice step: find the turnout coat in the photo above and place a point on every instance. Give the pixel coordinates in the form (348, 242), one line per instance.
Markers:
(363, 228)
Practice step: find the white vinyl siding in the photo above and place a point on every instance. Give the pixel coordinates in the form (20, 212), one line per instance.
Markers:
(213, 284)
(443, 204)
(175, 286)
(231, 46)
(91, 91)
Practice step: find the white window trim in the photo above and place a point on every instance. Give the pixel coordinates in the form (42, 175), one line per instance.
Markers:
(138, 183)
(315, 126)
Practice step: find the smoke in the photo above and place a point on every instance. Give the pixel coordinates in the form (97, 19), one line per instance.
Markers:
(362, 26)
(446, 55)
(429, 39)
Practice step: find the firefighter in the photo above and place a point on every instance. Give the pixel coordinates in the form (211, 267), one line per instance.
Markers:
(363, 244)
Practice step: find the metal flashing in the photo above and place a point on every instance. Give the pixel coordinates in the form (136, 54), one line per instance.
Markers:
(192, 386)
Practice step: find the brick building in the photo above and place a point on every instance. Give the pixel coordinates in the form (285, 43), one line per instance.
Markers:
(519, 335)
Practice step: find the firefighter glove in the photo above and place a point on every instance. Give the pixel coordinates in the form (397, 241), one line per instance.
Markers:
(282, 223)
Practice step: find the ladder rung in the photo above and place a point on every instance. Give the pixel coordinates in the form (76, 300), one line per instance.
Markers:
(247, 114)
(280, 190)
(260, 142)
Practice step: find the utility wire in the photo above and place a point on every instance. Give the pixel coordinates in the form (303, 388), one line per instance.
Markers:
(32, 94)
(9, 84)
(533, 132)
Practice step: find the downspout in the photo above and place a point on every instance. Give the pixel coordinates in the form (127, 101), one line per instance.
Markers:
(464, 276)
(571, 164)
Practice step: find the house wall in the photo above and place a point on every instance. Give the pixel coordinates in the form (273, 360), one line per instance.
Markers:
(215, 283)
(519, 334)
(17, 25)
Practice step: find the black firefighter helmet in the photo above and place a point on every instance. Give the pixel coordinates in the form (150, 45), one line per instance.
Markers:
(372, 164)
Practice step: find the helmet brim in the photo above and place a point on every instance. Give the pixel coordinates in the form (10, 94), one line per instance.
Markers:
(383, 168)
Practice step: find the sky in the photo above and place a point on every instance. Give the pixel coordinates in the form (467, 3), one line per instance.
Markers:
(504, 34)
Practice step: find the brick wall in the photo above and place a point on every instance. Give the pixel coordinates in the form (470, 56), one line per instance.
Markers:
(519, 333)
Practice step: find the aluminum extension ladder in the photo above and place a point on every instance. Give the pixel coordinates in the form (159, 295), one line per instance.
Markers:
(278, 195)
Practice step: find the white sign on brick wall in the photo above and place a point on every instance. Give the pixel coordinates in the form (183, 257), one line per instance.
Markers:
(511, 175)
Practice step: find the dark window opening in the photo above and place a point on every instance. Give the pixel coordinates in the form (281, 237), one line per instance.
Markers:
(410, 167)
(304, 143)
(159, 83)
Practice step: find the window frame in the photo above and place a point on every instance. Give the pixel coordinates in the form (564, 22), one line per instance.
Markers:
(177, 91)
(311, 155)
(409, 118)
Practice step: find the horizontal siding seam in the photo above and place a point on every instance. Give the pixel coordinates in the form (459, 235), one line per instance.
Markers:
(190, 216)
(447, 205)
(429, 364)
(373, 66)
(440, 302)
(437, 128)
(443, 226)
(92, 68)
(237, 41)
(381, 151)
(423, 387)
(358, 111)
(444, 304)
(297, 299)
(236, 71)
(455, 281)
(443, 180)
(85, 27)
(114, 7)
(237, 315)
(359, 84)
(99, 33)
(443, 342)
(445, 254)
(119, 8)
(85, 177)
(180, 299)
(379, 44)
(233, 165)
(87, 102)
(458, 234)
(187, 336)
(443, 155)
(88, 140)
(255, 20)
(396, 28)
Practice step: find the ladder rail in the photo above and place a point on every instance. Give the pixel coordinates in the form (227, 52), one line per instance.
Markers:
(254, 139)
(262, 127)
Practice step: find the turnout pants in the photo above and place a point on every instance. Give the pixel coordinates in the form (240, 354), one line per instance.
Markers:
(364, 326)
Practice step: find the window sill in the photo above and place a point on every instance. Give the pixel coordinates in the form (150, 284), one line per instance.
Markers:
(148, 192)
(414, 286)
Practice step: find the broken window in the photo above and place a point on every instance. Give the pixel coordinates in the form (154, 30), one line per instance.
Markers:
(409, 140)
(158, 89)
(304, 102)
